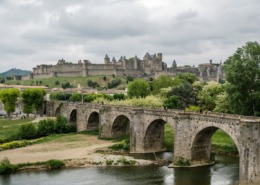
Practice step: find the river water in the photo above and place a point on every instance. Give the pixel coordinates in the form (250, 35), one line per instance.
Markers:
(225, 172)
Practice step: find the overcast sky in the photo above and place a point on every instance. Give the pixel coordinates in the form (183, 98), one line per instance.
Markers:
(37, 32)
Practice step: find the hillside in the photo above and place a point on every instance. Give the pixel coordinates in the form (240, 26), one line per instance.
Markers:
(56, 82)
(14, 71)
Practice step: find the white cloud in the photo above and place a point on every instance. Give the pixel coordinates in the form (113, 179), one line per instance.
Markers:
(35, 32)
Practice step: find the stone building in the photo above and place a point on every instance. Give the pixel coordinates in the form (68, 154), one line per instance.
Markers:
(149, 66)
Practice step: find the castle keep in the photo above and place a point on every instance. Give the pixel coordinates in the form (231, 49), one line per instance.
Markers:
(150, 65)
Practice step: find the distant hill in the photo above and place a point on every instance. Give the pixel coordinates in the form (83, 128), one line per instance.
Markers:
(14, 71)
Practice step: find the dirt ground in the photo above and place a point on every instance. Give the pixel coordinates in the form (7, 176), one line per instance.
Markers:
(75, 151)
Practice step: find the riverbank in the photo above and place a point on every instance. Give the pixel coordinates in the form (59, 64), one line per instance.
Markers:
(76, 150)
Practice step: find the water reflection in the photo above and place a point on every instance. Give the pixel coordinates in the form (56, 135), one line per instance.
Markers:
(192, 176)
(226, 172)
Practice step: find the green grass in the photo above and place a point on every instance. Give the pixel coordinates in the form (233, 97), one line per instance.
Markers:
(223, 144)
(168, 137)
(74, 81)
(8, 128)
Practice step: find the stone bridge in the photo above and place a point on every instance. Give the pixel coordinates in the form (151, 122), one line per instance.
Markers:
(192, 131)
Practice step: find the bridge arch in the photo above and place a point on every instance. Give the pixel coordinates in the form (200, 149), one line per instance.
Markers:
(73, 117)
(93, 121)
(154, 136)
(58, 109)
(120, 126)
(201, 144)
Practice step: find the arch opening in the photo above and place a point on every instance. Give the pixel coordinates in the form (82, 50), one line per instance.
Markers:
(58, 110)
(121, 127)
(73, 117)
(158, 136)
(93, 122)
(208, 140)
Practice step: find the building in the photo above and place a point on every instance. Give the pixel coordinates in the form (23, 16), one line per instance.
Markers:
(149, 66)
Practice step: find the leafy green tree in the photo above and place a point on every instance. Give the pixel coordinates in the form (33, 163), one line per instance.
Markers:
(185, 93)
(188, 77)
(33, 100)
(173, 102)
(243, 74)
(114, 83)
(9, 98)
(222, 103)
(138, 88)
(162, 81)
(208, 95)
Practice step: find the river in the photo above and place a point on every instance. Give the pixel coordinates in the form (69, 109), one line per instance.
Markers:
(224, 172)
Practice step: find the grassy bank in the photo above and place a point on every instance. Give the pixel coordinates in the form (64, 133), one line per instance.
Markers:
(56, 82)
(9, 128)
(6, 167)
(223, 144)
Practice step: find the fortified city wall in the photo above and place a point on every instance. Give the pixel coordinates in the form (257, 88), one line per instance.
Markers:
(150, 65)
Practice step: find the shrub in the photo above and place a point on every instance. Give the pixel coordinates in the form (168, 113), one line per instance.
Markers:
(89, 98)
(75, 97)
(114, 83)
(173, 102)
(46, 127)
(6, 167)
(183, 162)
(61, 124)
(13, 144)
(119, 96)
(193, 108)
(123, 145)
(60, 96)
(109, 162)
(27, 131)
(124, 161)
(55, 164)
(71, 128)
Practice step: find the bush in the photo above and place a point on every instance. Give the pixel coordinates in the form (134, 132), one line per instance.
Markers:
(123, 145)
(89, 98)
(114, 83)
(109, 162)
(183, 162)
(55, 164)
(76, 97)
(6, 167)
(71, 128)
(60, 96)
(173, 102)
(46, 127)
(27, 131)
(61, 124)
(119, 96)
(13, 144)
(124, 161)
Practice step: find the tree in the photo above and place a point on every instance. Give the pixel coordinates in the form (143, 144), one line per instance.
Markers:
(163, 81)
(208, 95)
(32, 100)
(222, 103)
(188, 77)
(9, 98)
(138, 88)
(114, 83)
(185, 93)
(173, 102)
(243, 76)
